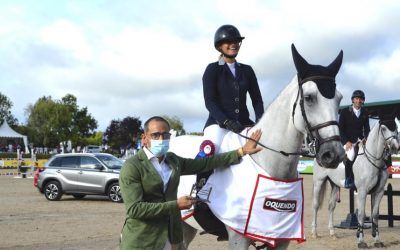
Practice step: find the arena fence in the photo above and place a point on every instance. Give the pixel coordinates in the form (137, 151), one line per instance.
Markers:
(351, 220)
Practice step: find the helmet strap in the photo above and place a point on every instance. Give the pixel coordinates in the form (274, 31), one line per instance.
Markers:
(228, 56)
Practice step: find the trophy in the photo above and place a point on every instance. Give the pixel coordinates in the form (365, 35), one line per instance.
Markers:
(197, 190)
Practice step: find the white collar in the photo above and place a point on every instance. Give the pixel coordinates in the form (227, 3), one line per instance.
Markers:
(221, 62)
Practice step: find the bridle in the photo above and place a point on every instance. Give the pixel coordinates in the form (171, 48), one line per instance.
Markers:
(317, 140)
(371, 158)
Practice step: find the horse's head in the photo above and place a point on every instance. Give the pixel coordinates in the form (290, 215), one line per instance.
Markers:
(316, 108)
(388, 128)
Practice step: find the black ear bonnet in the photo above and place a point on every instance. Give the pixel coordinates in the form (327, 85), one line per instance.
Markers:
(324, 77)
(388, 120)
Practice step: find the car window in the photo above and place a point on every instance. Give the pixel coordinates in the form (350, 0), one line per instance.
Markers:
(56, 162)
(69, 162)
(89, 162)
(111, 162)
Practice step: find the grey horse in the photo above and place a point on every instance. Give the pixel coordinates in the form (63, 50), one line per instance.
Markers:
(370, 177)
(307, 106)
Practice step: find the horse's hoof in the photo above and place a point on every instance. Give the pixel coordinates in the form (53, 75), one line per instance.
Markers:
(333, 236)
(378, 245)
(315, 236)
(362, 245)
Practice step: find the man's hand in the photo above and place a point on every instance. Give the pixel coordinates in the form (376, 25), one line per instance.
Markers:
(251, 146)
(185, 202)
(348, 146)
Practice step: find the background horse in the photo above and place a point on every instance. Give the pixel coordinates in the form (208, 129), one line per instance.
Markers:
(307, 106)
(370, 177)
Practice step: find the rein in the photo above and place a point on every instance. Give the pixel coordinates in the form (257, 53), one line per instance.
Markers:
(368, 155)
(317, 140)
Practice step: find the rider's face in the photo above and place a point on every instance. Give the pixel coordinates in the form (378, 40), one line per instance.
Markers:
(230, 48)
(357, 102)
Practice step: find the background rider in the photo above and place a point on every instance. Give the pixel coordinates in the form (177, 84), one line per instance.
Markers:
(353, 126)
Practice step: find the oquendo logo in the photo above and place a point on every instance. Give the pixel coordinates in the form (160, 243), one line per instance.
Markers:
(280, 205)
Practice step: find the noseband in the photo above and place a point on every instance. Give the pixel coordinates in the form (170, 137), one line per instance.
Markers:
(317, 140)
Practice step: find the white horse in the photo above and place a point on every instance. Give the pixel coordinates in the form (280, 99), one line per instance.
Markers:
(307, 106)
(370, 177)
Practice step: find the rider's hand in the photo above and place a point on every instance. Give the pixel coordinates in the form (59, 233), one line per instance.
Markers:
(185, 202)
(251, 146)
(234, 126)
(348, 146)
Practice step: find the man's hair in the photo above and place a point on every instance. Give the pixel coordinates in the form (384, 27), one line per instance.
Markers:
(157, 119)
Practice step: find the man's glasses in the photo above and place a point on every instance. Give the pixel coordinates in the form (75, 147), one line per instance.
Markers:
(156, 135)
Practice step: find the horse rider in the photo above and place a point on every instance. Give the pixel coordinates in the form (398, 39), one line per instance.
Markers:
(225, 86)
(354, 127)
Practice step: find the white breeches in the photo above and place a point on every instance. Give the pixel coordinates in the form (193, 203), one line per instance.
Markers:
(215, 134)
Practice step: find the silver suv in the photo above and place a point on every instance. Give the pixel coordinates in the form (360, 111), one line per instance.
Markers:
(80, 174)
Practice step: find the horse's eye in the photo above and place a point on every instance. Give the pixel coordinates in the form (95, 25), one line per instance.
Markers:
(308, 98)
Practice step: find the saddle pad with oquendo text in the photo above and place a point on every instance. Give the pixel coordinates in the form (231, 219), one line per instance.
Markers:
(255, 205)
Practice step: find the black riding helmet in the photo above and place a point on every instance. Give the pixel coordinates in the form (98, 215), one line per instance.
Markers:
(358, 93)
(226, 32)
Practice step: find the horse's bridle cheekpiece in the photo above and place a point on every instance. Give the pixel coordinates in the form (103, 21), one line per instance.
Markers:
(317, 140)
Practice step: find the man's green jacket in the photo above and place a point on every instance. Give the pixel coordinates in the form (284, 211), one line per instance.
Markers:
(152, 215)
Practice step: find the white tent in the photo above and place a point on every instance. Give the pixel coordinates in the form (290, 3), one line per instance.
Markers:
(7, 132)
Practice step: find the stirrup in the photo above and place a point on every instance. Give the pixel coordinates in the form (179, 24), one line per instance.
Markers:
(349, 183)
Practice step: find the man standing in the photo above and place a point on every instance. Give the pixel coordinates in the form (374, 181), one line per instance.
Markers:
(149, 182)
(353, 126)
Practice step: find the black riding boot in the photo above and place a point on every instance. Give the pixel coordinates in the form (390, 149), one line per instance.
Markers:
(349, 182)
(388, 161)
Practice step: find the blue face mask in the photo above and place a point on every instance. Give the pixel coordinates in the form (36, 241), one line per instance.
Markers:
(159, 147)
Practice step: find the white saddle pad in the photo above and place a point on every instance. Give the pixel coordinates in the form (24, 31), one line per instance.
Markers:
(251, 203)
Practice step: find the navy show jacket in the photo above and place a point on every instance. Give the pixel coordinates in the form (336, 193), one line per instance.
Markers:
(352, 127)
(225, 95)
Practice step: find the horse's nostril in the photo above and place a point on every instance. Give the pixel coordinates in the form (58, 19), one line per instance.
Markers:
(327, 157)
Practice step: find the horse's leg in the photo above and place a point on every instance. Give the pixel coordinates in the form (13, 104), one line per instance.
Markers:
(362, 195)
(237, 241)
(376, 200)
(189, 233)
(281, 245)
(319, 186)
(331, 208)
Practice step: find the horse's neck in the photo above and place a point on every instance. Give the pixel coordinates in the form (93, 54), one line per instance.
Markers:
(279, 134)
(375, 144)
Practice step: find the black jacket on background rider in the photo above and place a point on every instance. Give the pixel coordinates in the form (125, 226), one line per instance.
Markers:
(352, 127)
(225, 95)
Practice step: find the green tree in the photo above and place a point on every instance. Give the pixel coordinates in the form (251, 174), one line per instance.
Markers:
(53, 121)
(94, 139)
(176, 124)
(5, 111)
(124, 133)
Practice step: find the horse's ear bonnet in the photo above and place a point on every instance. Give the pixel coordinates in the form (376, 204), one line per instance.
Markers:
(388, 120)
(326, 86)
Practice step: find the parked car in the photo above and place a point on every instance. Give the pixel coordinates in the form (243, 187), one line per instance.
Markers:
(81, 174)
(92, 149)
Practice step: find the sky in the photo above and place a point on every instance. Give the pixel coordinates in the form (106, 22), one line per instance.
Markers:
(145, 58)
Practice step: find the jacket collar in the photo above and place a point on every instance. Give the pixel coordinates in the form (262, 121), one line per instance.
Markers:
(221, 62)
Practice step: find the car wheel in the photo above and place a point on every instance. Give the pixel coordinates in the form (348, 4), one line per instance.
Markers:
(78, 196)
(114, 193)
(53, 191)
